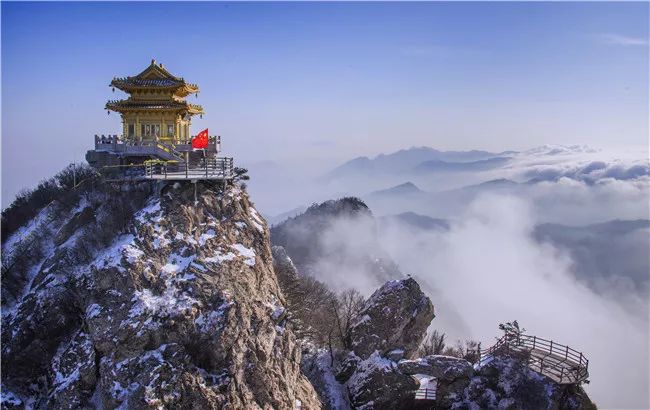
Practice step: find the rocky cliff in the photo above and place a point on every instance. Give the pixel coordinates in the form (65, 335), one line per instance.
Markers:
(179, 306)
(382, 370)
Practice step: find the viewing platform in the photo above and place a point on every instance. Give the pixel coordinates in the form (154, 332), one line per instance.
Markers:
(214, 168)
(560, 363)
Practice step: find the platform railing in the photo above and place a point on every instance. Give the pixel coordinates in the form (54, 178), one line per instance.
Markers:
(210, 168)
(114, 139)
(567, 365)
(425, 394)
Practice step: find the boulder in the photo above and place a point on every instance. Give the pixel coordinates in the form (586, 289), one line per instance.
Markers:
(395, 317)
(449, 368)
(378, 384)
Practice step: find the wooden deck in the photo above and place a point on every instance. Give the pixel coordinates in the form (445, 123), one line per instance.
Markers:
(553, 360)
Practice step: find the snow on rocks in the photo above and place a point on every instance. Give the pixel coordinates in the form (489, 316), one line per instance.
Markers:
(378, 383)
(396, 316)
(256, 219)
(181, 311)
(318, 367)
(247, 253)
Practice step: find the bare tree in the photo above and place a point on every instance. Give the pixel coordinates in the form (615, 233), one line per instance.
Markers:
(349, 305)
(433, 344)
(470, 351)
(511, 329)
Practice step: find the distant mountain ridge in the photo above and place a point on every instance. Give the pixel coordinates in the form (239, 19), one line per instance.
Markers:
(404, 161)
(436, 165)
(406, 188)
(427, 159)
(601, 252)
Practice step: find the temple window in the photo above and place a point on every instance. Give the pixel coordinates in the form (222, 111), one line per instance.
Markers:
(150, 130)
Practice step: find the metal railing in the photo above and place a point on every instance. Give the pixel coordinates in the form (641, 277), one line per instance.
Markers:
(560, 362)
(209, 168)
(425, 394)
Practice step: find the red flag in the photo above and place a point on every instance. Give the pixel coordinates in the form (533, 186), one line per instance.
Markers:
(201, 140)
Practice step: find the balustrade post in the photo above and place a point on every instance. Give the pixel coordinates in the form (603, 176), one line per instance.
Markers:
(534, 340)
(566, 355)
(550, 349)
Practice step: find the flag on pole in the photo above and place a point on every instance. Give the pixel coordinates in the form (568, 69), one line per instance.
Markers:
(201, 140)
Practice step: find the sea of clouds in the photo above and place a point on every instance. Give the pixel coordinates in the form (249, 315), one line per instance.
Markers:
(488, 268)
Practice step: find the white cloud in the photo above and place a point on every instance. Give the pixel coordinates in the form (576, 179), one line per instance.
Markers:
(621, 40)
(488, 269)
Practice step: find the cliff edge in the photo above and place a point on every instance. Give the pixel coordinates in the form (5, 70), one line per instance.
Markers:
(180, 308)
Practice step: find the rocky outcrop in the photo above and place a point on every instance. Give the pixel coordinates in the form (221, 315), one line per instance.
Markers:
(376, 374)
(395, 317)
(391, 325)
(181, 310)
(506, 383)
(377, 383)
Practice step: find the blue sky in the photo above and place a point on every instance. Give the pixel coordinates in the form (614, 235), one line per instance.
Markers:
(329, 80)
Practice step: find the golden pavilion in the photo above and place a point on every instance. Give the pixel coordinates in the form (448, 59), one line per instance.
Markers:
(156, 141)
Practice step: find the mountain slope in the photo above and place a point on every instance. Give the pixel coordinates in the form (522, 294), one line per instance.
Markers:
(182, 309)
(336, 242)
(407, 188)
(437, 165)
(606, 252)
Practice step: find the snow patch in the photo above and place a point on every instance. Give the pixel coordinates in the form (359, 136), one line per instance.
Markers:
(93, 311)
(247, 253)
(257, 220)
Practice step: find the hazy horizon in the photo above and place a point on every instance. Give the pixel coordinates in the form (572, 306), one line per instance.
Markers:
(316, 84)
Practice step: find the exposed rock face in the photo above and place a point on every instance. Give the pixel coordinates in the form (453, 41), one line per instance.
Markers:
(181, 311)
(395, 317)
(378, 384)
(441, 367)
(318, 367)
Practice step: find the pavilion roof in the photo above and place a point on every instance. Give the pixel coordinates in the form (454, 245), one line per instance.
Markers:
(136, 105)
(155, 77)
